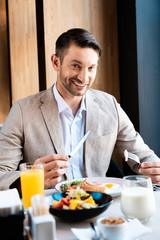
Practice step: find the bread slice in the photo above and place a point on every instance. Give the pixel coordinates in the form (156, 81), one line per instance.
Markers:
(95, 188)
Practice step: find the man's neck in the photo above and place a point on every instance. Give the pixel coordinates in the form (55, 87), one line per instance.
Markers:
(74, 102)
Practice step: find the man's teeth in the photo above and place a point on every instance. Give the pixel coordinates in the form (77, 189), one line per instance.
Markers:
(78, 84)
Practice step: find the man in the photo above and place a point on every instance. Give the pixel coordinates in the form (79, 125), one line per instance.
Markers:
(47, 126)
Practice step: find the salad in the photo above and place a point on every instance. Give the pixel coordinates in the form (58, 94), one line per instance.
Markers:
(88, 186)
(67, 185)
(75, 199)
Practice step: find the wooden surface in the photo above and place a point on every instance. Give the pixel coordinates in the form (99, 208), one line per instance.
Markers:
(4, 67)
(23, 48)
(97, 16)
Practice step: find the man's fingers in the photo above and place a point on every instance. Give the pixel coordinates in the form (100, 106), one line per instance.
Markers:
(56, 164)
(54, 173)
(54, 168)
(52, 157)
(151, 164)
(51, 182)
(155, 179)
(149, 171)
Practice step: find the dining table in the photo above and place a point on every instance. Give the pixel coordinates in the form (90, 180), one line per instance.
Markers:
(63, 228)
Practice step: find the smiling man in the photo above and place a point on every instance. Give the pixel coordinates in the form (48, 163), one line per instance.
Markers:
(47, 126)
(76, 72)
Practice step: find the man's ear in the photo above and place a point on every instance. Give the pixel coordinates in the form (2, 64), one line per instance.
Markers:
(55, 62)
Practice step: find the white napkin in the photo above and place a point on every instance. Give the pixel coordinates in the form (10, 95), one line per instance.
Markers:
(83, 233)
(134, 229)
(10, 202)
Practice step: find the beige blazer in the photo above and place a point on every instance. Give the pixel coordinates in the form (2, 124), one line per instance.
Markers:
(32, 130)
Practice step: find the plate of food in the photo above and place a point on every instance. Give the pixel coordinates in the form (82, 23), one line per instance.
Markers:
(77, 204)
(111, 186)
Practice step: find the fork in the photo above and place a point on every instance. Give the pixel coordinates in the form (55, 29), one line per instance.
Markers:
(156, 187)
(97, 236)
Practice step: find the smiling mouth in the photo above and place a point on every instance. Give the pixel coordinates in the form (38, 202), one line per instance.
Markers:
(80, 84)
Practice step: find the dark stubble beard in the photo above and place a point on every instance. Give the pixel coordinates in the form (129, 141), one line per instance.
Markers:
(69, 87)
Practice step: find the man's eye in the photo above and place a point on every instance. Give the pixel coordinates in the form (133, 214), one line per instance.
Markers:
(91, 68)
(75, 65)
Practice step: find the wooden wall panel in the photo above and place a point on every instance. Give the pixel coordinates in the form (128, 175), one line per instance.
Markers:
(23, 48)
(97, 16)
(4, 68)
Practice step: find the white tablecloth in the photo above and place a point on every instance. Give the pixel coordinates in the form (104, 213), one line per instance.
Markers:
(63, 229)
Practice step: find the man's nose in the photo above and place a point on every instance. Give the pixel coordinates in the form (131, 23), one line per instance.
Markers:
(83, 75)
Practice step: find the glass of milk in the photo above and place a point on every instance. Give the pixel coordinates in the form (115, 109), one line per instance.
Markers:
(137, 198)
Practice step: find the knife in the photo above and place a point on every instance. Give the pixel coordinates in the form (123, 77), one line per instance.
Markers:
(79, 144)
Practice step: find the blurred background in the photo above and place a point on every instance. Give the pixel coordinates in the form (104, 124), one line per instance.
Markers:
(129, 69)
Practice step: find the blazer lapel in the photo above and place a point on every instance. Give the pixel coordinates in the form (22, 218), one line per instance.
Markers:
(92, 120)
(50, 114)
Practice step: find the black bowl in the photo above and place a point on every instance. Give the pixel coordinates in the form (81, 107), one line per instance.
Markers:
(103, 200)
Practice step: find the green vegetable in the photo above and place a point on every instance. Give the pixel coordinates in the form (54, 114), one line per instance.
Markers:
(69, 184)
(85, 196)
(65, 186)
(75, 183)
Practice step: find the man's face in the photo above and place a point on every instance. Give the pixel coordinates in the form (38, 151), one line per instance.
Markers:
(77, 71)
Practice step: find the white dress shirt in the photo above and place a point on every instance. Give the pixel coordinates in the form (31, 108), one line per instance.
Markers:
(73, 131)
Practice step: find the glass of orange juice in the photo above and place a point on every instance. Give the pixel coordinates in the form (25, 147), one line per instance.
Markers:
(32, 181)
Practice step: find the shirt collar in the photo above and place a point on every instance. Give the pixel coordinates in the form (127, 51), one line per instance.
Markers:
(62, 105)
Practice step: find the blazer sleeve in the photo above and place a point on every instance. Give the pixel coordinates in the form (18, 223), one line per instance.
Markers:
(11, 145)
(128, 138)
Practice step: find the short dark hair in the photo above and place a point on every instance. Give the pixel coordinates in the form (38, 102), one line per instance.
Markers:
(78, 36)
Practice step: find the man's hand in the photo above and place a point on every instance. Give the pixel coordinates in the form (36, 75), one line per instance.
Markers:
(151, 169)
(54, 168)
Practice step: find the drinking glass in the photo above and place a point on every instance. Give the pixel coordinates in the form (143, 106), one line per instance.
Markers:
(32, 181)
(137, 198)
